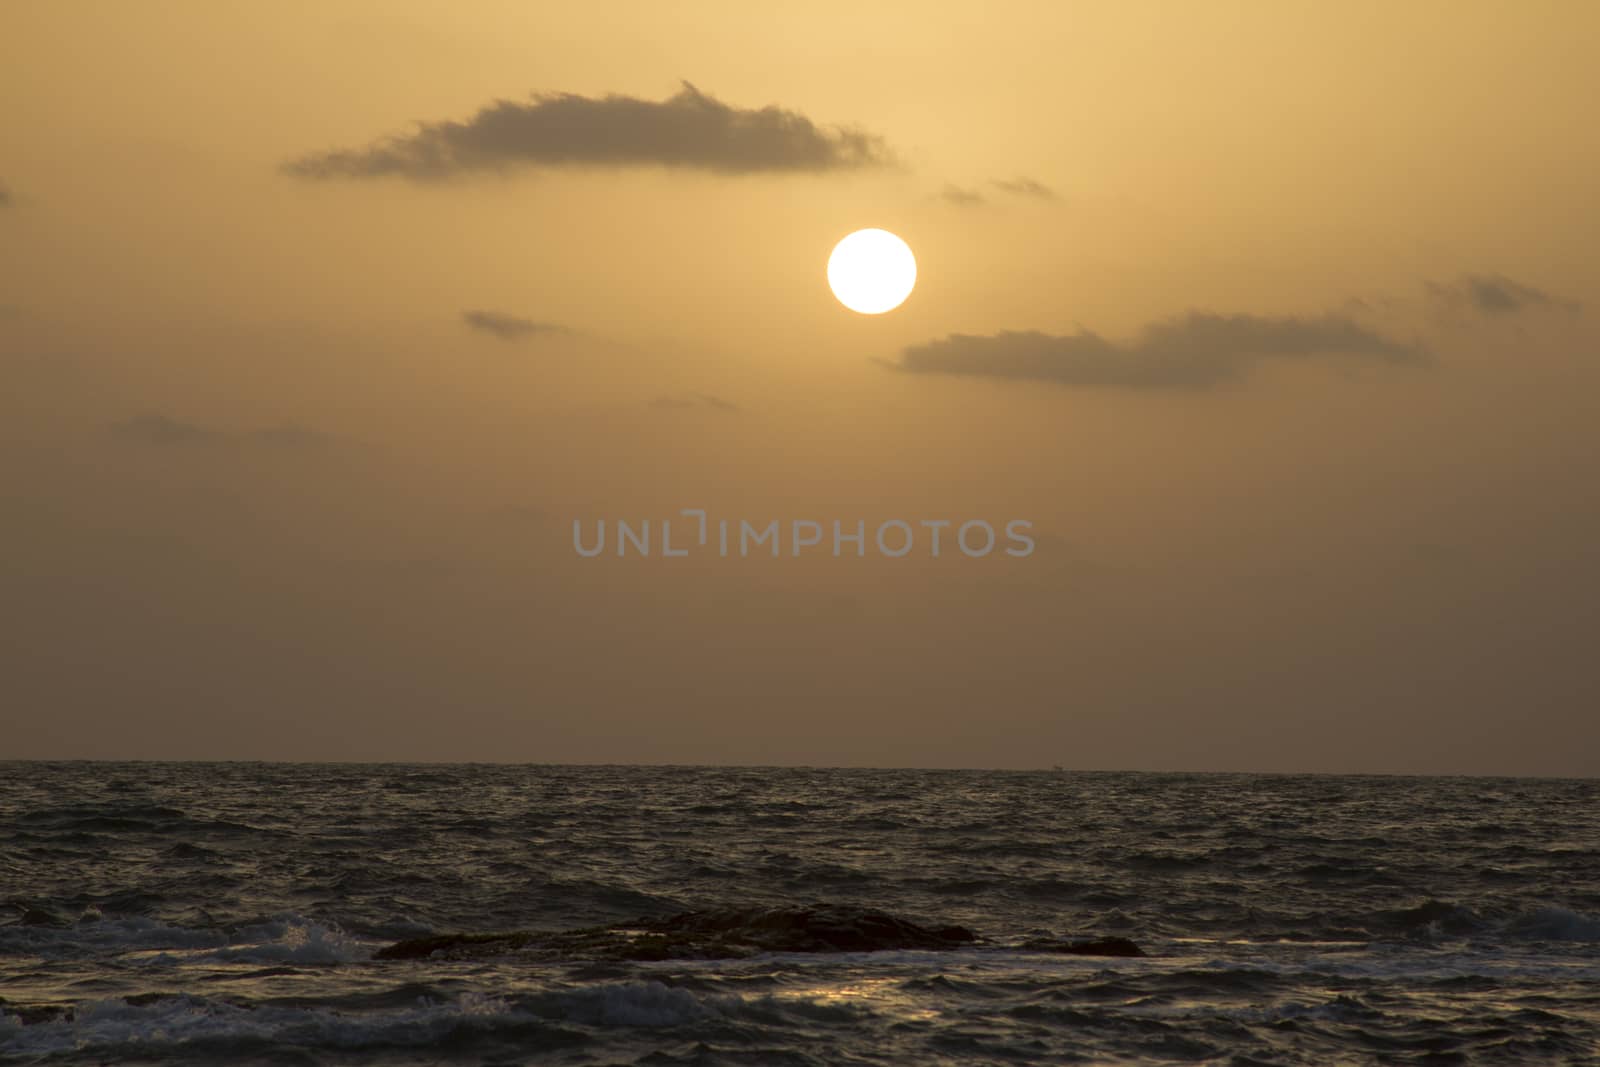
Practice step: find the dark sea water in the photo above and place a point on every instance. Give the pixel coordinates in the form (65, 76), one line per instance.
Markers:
(229, 913)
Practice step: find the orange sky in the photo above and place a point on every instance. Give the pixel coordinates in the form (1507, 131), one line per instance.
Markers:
(1302, 412)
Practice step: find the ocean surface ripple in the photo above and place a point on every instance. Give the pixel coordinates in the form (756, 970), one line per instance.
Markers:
(211, 913)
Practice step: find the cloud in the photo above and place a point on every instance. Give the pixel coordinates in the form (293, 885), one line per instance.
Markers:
(694, 400)
(1192, 351)
(962, 197)
(1495, 294)
(1025, 187)
(165, 431)
(691, 130)
(508, 327)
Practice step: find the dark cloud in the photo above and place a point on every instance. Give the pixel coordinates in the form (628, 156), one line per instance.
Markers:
(507, 327)
(962, 197)
(163, 430)
(694, 400)
(1191, 351)
(1025, 187)
(691, 129)
(1495, 294)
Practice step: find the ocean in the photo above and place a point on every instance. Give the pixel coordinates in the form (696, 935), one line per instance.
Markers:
(243, 913)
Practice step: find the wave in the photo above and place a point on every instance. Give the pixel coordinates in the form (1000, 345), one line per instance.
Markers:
(212, 1030)
(293, 940)
(1553, 924)
(284, 939)
(1436, 920)
(100, 819)
(648, 1004)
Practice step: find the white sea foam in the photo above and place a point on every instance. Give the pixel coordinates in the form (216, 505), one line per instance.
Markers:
(292, 940)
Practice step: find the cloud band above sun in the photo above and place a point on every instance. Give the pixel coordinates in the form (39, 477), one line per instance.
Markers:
(508, 327)
(1192, 351)
(691, 129)
(1495, 294)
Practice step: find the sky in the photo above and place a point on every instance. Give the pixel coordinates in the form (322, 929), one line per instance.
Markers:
(322, 324)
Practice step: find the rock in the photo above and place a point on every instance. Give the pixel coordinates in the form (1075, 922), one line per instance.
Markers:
(730, 933)
(821, 929)
(39, 917)
(33, 1014)
(455, 946)
(703, 935)
(1105, 946)
(139, 1000)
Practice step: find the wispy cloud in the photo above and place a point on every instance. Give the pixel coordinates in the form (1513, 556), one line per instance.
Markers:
(1193, 351)
(508, 327)
(164, 430)
(1495, 294)
(955, 194)
(964, 196)
(691, 130)
(1020, 186)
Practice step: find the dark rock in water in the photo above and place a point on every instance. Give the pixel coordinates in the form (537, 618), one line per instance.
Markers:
(732, 933)
(703, 935)
(1104, 946)
(822, 929)
(1440, 915)
(455, 946)
(32, 1014)
(40, 917)
(139, 1000)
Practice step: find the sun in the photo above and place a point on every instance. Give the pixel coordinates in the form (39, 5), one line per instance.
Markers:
(872, 271)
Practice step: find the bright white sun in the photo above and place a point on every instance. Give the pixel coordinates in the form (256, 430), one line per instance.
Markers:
(872, 271)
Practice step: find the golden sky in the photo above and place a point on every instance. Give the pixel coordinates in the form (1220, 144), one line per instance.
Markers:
(321, 323)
